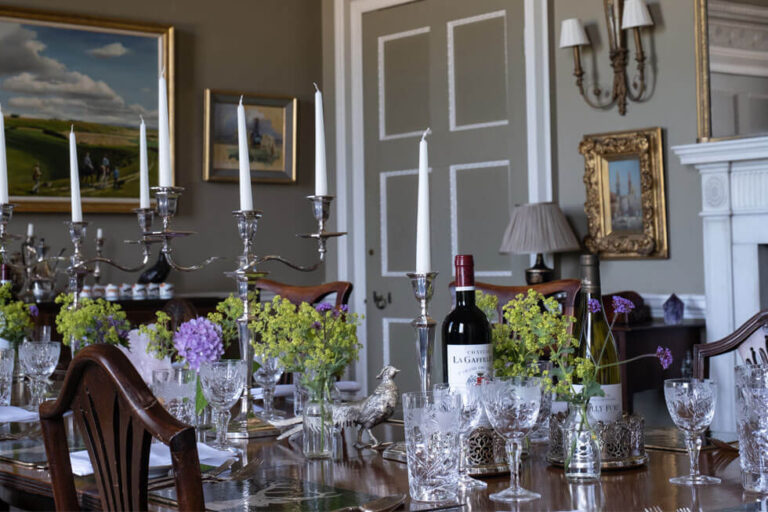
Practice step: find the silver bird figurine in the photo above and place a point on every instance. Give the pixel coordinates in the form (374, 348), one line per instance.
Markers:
(370, 411)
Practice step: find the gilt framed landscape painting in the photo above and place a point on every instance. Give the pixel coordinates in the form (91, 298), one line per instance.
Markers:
(271, 126)
(100, 77)
(626, 206)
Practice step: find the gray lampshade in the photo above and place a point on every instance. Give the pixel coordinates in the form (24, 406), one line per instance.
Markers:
(538, 227)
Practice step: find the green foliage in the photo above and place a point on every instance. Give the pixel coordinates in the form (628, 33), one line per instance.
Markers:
(160, 337)
(95, 321)
(488, 304)
(15, 317)
(226, 315)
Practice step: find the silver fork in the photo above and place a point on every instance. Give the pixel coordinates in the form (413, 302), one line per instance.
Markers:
(654, 508)
(683, 509)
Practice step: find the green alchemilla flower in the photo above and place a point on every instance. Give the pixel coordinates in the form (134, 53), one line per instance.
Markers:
(95, 321)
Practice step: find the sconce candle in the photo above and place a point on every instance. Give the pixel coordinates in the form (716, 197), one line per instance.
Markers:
(246, 194)
(163, 136)
(30, 230)
(74, 179)
(3, 162)
(99, 234)
(423, 248)
(321, 177)
(143, 167)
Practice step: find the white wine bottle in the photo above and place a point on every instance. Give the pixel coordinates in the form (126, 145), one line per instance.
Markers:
(595, 341)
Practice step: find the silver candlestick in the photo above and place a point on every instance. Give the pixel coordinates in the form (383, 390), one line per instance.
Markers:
(424, 325)
(6, 212)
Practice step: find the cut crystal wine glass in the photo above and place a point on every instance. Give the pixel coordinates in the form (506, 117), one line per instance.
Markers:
(222, 383)
(691, 403)
(512, 405)
(266, 376)
(39, 359)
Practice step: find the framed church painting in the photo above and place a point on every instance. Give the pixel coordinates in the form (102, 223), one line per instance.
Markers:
(98, 76)
(625, 207)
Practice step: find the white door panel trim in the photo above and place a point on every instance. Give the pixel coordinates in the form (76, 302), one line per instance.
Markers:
(386, 345)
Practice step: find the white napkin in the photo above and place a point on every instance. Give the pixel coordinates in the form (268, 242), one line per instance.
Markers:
(281, 390)
(159, 456)
(10, 413)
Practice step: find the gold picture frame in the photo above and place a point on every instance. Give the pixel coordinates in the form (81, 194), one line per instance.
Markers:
(626, 217)
(103, 53)
(272, 127)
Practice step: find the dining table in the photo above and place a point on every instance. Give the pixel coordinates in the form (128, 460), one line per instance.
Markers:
(282, 479)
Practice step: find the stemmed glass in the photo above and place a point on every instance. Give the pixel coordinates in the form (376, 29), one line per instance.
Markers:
(470, 415)
(222, 383)
(266, 376)
(6, 375)
(39, 359)
(512, 405)
(691, 403)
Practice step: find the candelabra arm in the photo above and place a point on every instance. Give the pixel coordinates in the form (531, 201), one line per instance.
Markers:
(280, 259)
(182, 268)
(100, 259)
(639, 82)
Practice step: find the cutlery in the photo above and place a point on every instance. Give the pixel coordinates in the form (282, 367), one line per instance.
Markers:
(378, 505)
(654, 508)
(165, 481)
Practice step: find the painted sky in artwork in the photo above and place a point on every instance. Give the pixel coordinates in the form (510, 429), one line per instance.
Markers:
(624, 169)
(59, 73)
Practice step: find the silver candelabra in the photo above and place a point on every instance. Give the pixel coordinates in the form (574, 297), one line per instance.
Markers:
(247, 275)
(424, 325)
(6, 212)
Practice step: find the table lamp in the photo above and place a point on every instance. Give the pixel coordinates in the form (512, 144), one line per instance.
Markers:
(538, 228)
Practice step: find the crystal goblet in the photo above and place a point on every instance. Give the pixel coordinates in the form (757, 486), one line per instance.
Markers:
(7, 356)
(39, 359)
(512, 405)
(222, 383)
(176, 388)
(470, 415)
(266, 376)
(691, 403)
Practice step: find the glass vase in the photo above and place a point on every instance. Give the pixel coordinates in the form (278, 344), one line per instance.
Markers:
(300, 394)
(581, 446)
(318, 423)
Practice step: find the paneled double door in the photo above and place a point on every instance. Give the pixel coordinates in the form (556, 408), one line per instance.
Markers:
(455, 66)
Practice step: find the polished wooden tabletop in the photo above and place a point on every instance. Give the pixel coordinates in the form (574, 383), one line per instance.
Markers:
(368, 473)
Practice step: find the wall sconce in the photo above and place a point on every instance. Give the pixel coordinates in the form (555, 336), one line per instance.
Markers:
(633, 15)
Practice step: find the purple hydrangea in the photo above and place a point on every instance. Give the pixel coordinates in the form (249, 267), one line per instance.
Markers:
(33, 310)
(665, 357)
(622, 305)
(198, 341)
(593, 305)
(323, 307)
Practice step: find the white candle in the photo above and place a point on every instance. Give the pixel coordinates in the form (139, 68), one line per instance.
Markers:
(143, 167)
(3, 163)
(163, 138)
(423, 248)
(246, 195)
(74, 179)
(99, 234)
(30, 230)
(321, 176)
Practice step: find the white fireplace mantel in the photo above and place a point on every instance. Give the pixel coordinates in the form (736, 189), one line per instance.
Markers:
(734, 212)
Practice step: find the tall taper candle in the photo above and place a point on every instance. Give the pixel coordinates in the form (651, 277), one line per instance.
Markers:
(3, 162)
(163, 137)
(246, 194)
(321, 176)
(423, 248)
(74, 179)
(143, 167)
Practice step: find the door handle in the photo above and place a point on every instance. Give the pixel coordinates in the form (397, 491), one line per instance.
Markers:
(380, 301)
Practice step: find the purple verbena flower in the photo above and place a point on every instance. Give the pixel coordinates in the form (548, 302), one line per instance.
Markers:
(622, 305)
(317, 326)
(198, 341)
(593, 305)
(665, 357)
(344, 308)
(33, 310)
(323, 307)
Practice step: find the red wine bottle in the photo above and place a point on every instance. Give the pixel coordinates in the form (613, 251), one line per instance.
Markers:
(466, 333)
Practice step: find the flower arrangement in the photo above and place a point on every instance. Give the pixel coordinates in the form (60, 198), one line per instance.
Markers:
(226, 315)
(95, 321)
(15, 316)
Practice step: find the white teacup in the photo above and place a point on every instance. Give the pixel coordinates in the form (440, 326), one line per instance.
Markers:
(166, 290)
(153, 290)
(125, 291)
(139, 291)
(98, 291)
(86, 293)
(111, 292)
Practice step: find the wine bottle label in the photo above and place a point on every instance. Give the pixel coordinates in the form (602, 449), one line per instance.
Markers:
(465, 288)
(465, 361)
(604, 408)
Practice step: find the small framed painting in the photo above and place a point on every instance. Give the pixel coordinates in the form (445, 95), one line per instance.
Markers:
(271, 125)
(625, 207)
(95, 75)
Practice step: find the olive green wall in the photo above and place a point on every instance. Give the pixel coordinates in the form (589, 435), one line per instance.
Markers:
(672, 106)
(256, 46)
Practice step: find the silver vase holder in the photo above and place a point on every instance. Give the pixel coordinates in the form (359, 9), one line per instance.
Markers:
(622, 442)
(246, 277)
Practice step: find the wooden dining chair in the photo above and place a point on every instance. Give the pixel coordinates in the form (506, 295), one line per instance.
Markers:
(311, 294)
(180, 310)
(117, 416)
(750, 341)
(569, 287)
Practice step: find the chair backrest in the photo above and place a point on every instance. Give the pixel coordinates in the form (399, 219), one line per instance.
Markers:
(311, 294)
(180, 310)
(750, 341)
(117, 415)
(569, 287)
